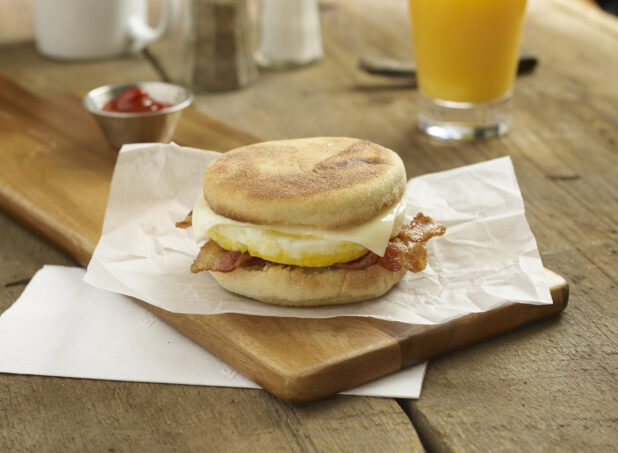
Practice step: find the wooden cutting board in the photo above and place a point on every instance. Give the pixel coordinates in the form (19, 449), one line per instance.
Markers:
(54, 178)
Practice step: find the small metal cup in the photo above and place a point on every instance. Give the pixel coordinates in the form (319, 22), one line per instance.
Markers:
(144, 127)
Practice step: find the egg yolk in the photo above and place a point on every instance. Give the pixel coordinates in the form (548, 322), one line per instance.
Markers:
(284, 248)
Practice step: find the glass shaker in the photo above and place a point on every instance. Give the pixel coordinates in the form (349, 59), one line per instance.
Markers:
(290, 34)
(223, 48)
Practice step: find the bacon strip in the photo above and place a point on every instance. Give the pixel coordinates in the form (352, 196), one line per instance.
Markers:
(361, 263)
(421, 229)
(412, 256)
(227, 263)
(214, 258)
(208, 258)
(246, 260)
(407, 249)
(390, 261)
(187, 222)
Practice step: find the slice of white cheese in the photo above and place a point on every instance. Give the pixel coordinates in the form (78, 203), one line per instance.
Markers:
(373, 235)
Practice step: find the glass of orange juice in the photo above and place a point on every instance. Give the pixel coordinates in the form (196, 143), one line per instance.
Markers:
(466, 55)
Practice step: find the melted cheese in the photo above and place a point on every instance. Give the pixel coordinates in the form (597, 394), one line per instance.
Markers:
(372, 235)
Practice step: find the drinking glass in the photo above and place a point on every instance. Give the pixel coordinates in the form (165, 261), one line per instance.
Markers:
(466, 55)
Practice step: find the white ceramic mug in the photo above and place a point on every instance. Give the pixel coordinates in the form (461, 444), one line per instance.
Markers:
(84, 29)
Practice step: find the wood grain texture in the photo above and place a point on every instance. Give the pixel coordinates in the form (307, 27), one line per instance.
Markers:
(59, 414)
(302, 360)
(545, 387)
(48, 77)
(296, 359)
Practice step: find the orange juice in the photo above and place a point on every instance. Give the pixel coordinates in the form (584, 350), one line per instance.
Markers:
(466, 50)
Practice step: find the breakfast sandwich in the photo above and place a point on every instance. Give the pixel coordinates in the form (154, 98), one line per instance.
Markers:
(308, 222)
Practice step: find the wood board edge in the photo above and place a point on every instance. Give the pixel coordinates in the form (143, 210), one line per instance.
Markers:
(411, 344)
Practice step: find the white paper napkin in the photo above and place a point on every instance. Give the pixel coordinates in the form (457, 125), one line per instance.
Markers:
(487, 257)
(61, 326)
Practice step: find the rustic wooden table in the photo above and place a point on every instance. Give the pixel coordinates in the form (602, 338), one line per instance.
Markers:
(551, 386)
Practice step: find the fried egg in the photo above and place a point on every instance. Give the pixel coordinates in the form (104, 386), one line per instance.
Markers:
(298, 245)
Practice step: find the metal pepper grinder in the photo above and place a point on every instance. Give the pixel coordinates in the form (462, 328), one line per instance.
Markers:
(223, 51)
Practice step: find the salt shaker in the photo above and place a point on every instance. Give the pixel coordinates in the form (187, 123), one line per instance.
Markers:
(290, 33)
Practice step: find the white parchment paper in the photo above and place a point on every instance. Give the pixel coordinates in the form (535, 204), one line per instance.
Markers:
(487, 257)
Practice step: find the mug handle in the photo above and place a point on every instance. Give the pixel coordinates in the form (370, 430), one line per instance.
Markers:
(143, 34)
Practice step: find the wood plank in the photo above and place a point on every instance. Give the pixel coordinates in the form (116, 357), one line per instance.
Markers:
(548, 386)
(55, 414)
(48, 77)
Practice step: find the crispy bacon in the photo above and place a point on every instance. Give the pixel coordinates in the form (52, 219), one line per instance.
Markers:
(227, 263)
(361, 263)
(214, 258)
(421, 229)
(187, 222)
(208, 258)
(412, 256)
(390, 261)
(246, 260)
(407, 249)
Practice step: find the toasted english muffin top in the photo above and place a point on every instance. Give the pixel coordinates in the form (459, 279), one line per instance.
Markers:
(323, 182)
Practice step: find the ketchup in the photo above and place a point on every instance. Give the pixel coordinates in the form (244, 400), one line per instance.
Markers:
(134, 100)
